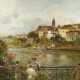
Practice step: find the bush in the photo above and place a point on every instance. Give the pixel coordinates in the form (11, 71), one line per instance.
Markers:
(3, 49)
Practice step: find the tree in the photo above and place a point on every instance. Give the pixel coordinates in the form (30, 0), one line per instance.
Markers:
(3, 49)
(57, 39)
(33, 35)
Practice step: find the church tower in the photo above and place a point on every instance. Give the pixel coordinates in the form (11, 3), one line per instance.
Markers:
(53, 23)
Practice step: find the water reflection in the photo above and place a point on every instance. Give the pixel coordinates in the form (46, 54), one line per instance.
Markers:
(64, 60)
(48, 57)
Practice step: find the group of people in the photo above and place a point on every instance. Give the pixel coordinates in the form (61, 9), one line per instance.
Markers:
(18, 71)
(27, 72)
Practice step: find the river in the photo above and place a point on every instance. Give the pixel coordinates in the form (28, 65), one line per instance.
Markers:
(47, 57)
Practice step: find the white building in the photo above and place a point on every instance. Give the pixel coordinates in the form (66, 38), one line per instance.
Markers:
(49, 34)
(69, 32)
(46, 31)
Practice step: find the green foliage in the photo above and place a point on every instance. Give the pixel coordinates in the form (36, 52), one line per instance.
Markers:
(3, 49)
(42, 76)
(77, 41)
(18, 41)
(32, 35)
(57, 39)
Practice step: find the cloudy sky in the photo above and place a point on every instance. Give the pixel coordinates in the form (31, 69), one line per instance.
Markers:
(21, 16)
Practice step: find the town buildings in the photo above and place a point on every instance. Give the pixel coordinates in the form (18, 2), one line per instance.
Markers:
(47, 31)
(48, 36)
(70, 32)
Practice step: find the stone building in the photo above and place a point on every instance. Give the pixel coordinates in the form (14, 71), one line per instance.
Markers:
(69, 32)
(47, 31)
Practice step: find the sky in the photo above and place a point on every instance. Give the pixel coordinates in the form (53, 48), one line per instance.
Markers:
(22, 16)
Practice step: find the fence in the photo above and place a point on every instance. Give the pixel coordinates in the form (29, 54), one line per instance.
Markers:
(4, 74)
(45, 73)
(56, 73)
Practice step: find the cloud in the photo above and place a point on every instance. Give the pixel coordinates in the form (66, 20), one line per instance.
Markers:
(21, 16)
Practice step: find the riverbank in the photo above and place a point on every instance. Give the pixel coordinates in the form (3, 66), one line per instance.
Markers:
(54, 48)
(57, 46)
(72, 49)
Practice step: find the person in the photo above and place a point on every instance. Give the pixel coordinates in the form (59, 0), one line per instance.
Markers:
(32, 74)
(21, 72)
(35, 64)
(76, 72)
(33, 69)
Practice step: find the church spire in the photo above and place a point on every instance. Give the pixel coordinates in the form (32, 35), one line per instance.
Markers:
(53, 23)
